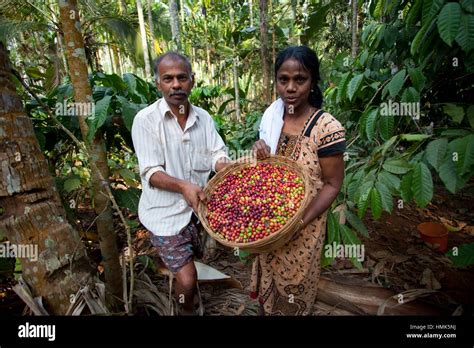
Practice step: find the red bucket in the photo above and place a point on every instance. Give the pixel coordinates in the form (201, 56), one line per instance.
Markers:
(435, 234)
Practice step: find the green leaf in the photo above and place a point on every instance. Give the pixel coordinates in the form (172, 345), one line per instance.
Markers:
(422, 184)
(414, 137)
(431, 9)
(375, 203)
(370, 124)
(350, 238)
(413, 13)
(357, 223)
(465, 37)
(467, 5)
(395, 85)
(100, 116)
(363, 203)
(354, 85)
(128, 198)
(389, 143)
(342, 87)
(417, 78)
(333, 228)
(410, 95)
(397, 166)
(72, 184)
(436, 151)
(131, 82)
(464, 148)
(420, 37)
(447, 173)
(385, 196)
(406, 187)
(386, 124)
(389, 180)
(448, 22)
(463, 256)
(470, 115)
(456, 112)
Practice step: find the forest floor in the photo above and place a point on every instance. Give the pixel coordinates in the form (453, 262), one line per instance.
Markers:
(395, 258)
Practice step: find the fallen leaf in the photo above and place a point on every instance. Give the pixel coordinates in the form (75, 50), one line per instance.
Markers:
(428, 279)
(381, 254)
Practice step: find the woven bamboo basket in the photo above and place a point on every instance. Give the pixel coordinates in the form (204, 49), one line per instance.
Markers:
(276, 239)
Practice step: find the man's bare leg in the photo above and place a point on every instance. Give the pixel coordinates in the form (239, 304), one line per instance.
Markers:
(185, 287)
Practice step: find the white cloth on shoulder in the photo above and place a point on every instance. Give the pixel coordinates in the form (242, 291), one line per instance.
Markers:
(272, 124)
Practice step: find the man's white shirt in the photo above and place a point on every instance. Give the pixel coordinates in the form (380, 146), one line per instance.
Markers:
(190, 154)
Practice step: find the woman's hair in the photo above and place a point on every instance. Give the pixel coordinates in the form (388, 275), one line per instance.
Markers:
(309, 61)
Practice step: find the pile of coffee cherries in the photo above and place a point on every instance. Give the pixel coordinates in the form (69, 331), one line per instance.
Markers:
(254, 202)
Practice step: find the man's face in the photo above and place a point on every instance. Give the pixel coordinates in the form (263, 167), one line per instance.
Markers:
(175, 82)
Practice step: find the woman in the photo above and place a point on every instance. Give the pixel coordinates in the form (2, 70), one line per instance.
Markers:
(286, 280)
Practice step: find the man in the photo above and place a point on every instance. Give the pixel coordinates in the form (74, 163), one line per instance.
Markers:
(177, 146)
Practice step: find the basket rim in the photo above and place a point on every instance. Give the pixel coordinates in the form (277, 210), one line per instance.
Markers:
(273, 237)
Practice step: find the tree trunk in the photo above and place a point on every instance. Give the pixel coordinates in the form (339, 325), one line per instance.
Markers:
(264, 52)
(174, 21)
(118, 64)
(273, 87)
(70, 22)
(122, 7)
(33, 215)
(354, 27)
(251, 12)
(141, 21)
(235, 71)
(152, 27)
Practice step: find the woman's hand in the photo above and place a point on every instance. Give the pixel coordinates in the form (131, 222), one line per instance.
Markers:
(261, 149)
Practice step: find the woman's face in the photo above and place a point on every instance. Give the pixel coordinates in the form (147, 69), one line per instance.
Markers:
(293, 84)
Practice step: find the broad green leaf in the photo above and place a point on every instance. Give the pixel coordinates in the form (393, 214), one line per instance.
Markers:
(422, 184)
(414, 137)
(362, 203)
(395, 85)
(420, 37)
(385, 196)
(467, 5)
(455, 111)
(389, 180)
(375, 203)
(357, 223)
(128, 198)
(350, 239)
(72, 184)
(417, 78)
(413, 13)
(386, 124)
(461, 152)
(454, 133)
(410, 95)
(448, 22)
(100, 116)
(397, 166)
(465, 37)
(333, 228)
(406, 187)
(354, 85)
(341, 89)
(431, 9)
(389, 143)
(370, 124)
(447, 173)
(436, 151)
(470, 115)
(463, 256)
(131, 82)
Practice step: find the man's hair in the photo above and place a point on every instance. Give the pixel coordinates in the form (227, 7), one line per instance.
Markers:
(174, 56)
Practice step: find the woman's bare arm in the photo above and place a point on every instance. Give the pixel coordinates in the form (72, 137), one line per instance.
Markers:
(332, 168)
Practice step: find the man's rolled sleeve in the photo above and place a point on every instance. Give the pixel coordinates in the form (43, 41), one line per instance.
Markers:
(148, 149)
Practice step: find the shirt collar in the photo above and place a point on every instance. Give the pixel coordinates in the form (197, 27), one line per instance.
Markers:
(165, 110)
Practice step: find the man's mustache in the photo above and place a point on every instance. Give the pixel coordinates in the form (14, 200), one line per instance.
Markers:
(179, 93)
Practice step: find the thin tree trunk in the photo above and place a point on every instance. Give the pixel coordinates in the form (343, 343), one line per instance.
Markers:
(264, 52)
(122, 7)
(235, 71)
(141, 21)
(208, 53)
(118, 65)
(273, 51)
(354, 27)
(69, 17)
(111, 58)
(251, 12)
(152, 27)
(33, 214)
(174, 19)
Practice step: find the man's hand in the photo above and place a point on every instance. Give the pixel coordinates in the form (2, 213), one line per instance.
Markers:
(193, 194)
(261, 149)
